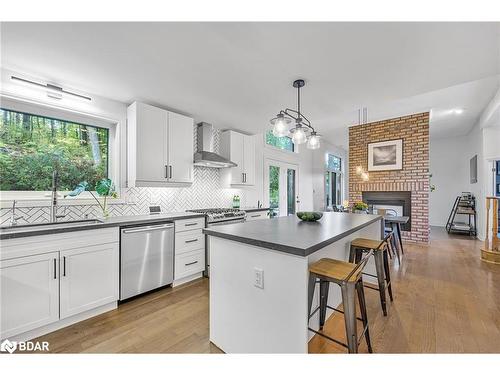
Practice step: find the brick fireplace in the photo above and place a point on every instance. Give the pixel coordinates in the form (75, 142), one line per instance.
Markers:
(411, 183)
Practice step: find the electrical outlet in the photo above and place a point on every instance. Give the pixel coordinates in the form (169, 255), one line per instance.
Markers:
(258, 278)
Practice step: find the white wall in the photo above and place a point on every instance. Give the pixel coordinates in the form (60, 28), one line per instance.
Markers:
(449, 166)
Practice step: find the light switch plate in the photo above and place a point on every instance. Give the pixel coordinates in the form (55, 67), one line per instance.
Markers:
(258, 278)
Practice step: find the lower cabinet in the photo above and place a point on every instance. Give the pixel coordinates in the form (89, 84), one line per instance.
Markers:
(89, 278)
(29, 296)
(189, 250)
(45, 279)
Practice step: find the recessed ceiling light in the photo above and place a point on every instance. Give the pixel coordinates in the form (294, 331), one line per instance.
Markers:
(457, 111)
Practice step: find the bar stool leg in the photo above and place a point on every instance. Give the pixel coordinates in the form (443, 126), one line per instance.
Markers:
(395, 245)
(324, 287)
(398, 226)
(387, 274)
(352, 254)
(349, 303)
(310, 290)
(364, 315)
(379, 266)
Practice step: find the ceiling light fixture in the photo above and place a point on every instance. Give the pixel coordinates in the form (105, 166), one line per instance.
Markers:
(302, 125)
(457, 111)
(53, 91)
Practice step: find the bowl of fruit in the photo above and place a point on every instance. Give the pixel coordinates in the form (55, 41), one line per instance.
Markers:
(309, 216)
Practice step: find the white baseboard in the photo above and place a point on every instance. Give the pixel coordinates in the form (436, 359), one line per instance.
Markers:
(37, 332)
(187, 279)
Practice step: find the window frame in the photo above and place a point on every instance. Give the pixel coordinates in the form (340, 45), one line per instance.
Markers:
(287, 152)
(42, 198)
(339, 172)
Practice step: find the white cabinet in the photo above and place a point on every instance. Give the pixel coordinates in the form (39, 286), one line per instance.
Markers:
(240, 149)
(50, 281)
(29, 296)
(180, 148)
(89, 278)
(159, 147)
(189, 250)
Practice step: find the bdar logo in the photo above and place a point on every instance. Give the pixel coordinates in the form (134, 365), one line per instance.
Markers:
(8, 346)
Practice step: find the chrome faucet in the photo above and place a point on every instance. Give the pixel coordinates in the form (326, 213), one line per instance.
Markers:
(53, 200)
(13, 217)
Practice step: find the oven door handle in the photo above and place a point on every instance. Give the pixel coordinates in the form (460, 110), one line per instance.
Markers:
(226, 222)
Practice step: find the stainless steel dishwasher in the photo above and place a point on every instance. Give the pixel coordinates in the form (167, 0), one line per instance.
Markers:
(146, 258)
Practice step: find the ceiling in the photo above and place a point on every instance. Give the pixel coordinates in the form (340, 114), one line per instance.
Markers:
(238, 75)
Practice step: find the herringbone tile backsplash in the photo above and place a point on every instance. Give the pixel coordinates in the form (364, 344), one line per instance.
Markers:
(205, 192)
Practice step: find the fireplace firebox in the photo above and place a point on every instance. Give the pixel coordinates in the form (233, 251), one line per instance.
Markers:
(397, 201)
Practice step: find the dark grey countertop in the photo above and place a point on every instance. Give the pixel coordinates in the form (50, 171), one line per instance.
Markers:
(293, 236)
(117, 221)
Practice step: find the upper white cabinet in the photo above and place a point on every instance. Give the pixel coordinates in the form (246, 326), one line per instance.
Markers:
(29, 296)
(240, 149)
(159, 147)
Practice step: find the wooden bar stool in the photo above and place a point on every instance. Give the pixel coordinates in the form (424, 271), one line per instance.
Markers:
(380, 250)
(349, 277)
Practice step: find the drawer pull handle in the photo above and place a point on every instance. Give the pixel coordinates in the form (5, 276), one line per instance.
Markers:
(55, 268)
(64, 266)
(190, 264)
(256, 215)
(188, 241)
(190, 224)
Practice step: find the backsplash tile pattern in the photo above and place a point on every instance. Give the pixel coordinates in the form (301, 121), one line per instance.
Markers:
(205, 192)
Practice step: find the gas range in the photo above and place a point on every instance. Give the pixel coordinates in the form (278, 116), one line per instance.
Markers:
(219, 215)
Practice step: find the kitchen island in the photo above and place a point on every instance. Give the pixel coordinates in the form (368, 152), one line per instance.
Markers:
(259, 278)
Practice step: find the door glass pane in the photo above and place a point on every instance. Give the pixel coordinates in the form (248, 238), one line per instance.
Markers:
(274, 190)
(290, 189)
(328, 199)
(338, 188)
(333, 187)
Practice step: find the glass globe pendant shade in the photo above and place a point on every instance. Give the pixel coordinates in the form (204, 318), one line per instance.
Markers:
(313, 143)
(280, 125)
(299, 136)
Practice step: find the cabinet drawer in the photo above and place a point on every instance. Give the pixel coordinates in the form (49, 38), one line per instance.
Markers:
(256, 215)
(188, 241)
(189, 224)
(188, 264)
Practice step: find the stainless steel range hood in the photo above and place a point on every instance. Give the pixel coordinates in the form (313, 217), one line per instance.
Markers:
(205, 155)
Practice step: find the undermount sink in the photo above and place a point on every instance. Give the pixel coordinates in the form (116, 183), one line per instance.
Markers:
(45, 226)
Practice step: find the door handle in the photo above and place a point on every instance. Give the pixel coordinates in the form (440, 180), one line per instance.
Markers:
(64, 266)
(170, 169)
(55, 268)
(190, 264)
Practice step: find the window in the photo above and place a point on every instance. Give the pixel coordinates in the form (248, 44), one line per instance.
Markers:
(32, 146)
(283, 143)
(333, 181)
(334, 163)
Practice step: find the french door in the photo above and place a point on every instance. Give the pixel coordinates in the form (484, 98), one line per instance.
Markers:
(281, 187)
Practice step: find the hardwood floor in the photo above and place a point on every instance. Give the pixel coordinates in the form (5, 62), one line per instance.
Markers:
(445, 301)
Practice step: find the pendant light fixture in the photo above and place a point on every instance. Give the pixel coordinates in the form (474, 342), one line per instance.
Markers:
(298, 133)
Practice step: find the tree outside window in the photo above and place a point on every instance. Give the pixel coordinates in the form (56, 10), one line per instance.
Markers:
(32, 146)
